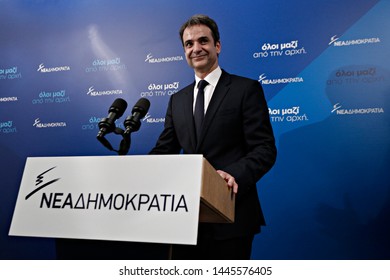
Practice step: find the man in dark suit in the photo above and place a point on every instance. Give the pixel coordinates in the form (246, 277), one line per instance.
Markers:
(236, 137)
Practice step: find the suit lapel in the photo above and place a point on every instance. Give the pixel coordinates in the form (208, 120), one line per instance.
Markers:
(219, 94)
(188, 114)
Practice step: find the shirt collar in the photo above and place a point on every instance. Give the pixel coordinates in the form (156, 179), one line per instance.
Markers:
(211, 78)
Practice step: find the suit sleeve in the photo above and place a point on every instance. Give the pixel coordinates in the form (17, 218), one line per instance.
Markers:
(259, 141)
(167, 142)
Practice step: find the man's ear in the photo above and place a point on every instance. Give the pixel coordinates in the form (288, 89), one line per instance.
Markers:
(218, 46)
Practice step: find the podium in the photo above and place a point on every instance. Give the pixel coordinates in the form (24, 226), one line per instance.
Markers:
(152, 199)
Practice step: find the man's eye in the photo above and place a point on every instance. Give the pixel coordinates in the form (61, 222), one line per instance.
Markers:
(188, 44)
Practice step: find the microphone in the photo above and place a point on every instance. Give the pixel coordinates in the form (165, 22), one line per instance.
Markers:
(107, 125)
(133, 122)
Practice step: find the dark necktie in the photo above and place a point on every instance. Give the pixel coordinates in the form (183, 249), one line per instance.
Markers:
(199, 107)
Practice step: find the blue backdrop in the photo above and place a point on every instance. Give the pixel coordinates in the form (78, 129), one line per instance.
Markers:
(324, 66)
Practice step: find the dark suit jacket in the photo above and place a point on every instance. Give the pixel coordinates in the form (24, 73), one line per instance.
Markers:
(237, 138)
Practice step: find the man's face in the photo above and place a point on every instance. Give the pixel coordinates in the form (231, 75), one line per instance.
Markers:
(200, 50)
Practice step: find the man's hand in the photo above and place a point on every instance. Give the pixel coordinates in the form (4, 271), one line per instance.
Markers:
(231, 182)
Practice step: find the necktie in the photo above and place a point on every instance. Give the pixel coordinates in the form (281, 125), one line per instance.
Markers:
(199, 107)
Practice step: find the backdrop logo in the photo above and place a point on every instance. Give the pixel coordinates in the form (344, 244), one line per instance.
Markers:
(93, 123)
(292, 114)
(38, 124)
(9, 99)
(41, 183)
(43, 69)
(356, 75)
(264, 81)
(161, 89)
(336, 42)
(149, 119)
(92, 92)
(337, 108)
(48, 97)
(333, 39)
(151, 59)
(105, 65)
(280, 49)
(10, 73)
(7, 127)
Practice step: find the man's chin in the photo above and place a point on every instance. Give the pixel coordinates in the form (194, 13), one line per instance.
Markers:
(199, 65)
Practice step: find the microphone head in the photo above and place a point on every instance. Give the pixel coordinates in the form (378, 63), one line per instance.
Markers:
(118, 106)
(142, 107)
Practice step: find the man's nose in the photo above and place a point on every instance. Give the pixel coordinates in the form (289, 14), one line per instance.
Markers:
(197, 47)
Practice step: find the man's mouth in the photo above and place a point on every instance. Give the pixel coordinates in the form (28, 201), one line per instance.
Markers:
(198, 56)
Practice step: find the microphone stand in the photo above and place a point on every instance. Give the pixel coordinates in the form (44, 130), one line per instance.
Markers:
(132, 124)
(124, 145)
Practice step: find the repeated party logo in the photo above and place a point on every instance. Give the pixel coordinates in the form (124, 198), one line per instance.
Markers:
(291, 114)
(7, 127)
(43, 69)
(10, 73)
(106, 65)
(156, 89)
(288, 49)
(264, 80)
(336, 42)
(50, 97)
(93, 92)
(39, 124)
(151, 59)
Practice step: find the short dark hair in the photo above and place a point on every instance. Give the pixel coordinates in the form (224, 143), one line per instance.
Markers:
(204, 20)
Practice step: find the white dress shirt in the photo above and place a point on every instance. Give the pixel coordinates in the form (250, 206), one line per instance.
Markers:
(212, 79)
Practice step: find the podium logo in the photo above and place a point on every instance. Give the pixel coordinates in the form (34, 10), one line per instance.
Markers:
(40, 182)
(115, 201)
(136, 202)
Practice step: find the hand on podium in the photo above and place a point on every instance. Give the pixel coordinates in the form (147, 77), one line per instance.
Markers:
(229, 179)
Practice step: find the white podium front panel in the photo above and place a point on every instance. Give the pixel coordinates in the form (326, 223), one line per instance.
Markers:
(123, 198)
